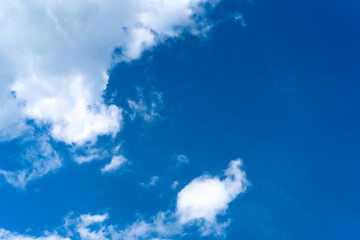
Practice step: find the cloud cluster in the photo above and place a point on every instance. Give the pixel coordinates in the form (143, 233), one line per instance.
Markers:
(198, 204)
(54, 58)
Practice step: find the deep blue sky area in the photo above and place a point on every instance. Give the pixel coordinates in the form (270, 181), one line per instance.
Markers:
(281, 92)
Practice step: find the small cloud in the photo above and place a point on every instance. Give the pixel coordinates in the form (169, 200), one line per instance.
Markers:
(180, 159)
(152, 182)
(117, 149)
(146, 107)
(88, 154)
(115, 164)
(239, 18)
(174, 185)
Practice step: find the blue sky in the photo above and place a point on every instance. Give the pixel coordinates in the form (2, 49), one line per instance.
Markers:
(188, 119)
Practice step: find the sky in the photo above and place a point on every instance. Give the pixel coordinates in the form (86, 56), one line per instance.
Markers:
(183, 119)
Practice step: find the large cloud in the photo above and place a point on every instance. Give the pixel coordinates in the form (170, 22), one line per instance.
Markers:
(199, 203)
(54, 57)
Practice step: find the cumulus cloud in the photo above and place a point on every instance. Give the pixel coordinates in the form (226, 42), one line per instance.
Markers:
(205, 197)
(54, 58)
(198, 204)
(56, 63)
(12, 122)
(85, 222)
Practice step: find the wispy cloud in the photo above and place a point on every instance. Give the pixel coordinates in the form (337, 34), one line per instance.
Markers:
(174, 185)
(115, 164)
(39, 160)
(239, 18)
(5, 234)
(146, 107)
(152, 182)
(180, 159)
(88, 153)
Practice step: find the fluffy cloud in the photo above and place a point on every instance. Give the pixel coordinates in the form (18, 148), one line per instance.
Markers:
(84, 223)
(206, 197)
(54, 58)
(198, 204)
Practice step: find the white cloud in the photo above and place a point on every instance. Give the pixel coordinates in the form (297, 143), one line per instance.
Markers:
(152, 182)
(84, 223)
(198, 204)
(146, 108)
(7, 235)
(41, 159)
(174, 185)
(69, 106)
(115, 164)
(88, 153)
(180, 159)
(161, 226)
(54, 57)
(117, 161)
(55, 62)
(206, 197)
(239, 18)
(12, 122)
